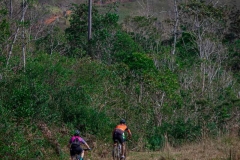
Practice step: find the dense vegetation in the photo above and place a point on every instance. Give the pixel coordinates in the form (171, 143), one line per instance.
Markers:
(175, 80)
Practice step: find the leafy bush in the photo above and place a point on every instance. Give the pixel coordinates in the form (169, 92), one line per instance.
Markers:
(181, 131)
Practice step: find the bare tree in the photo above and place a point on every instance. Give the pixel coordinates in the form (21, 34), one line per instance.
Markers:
(176, 24)
(146, 8)
(11, 8)
(23, 10)
(25, 35)
(207, 79)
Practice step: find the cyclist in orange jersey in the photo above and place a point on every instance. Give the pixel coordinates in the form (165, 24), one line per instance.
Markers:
(118, 135)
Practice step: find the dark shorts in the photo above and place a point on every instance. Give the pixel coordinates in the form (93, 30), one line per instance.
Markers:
(74, 151)
(118, 136)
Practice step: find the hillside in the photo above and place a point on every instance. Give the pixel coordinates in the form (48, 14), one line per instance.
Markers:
(159, 9)
(173, 76)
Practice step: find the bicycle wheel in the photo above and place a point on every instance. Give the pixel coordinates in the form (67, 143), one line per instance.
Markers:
(116, 153)
(119, 151)
(76, 157)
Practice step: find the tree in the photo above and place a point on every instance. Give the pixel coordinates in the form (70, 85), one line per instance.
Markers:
(22, 27)
(103, 31)
(4, 29)
(203, 26)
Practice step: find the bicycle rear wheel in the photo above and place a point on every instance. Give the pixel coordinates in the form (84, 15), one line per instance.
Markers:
(76, 157)
(120, 152)
(117, 152)
(114, 153)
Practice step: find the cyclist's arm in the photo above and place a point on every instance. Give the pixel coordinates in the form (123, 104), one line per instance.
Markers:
(87, 146)
(85, 143)
(129, 133)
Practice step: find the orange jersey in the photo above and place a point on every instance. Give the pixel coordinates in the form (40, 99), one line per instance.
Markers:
(122, 128)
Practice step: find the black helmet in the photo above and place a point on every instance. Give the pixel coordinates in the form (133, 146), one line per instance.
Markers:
(77, 133)
(122, 121)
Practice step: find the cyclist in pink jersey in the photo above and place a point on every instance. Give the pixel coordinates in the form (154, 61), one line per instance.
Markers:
(75, 145)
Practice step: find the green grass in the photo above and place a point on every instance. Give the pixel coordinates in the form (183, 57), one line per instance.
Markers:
(136, 8)
(53, 9)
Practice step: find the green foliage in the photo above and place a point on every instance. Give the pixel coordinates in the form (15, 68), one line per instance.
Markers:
(129, 75)
(76, 34)
(234, 28)
(5, 31)
(228, 103)
(202, 9)
(138, 62)
(156, 140)
(4, 28)
(145, 31)
(81, 117)
(213, 19)
(124, 46)
(181, 131)
(47, 92)
(187, 54)
(127, 51)
(164, 81)
(234, 58)
(102, 33)
(53, 42)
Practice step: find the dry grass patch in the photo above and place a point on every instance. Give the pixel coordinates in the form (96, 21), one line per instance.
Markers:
(225, 148)
(221, 148)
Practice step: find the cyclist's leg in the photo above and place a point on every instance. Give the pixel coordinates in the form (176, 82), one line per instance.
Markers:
(72, 153)
(80, 152)
(123, 149)
(121, 141)
(115, 139)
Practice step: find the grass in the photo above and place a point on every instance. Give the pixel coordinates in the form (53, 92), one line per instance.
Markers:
(222, 148)
(136, 8)
(54, 9)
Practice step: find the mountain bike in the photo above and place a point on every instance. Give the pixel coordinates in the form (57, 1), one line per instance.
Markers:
(78, 156)
(117, 152)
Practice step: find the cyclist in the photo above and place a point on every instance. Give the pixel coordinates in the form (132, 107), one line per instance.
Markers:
(75, 145)
(118, 135)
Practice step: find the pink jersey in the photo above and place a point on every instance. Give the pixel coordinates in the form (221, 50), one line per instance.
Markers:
(78, 137)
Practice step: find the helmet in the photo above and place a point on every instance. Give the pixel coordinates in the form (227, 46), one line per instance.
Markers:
(77, 133)
(122, 121)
